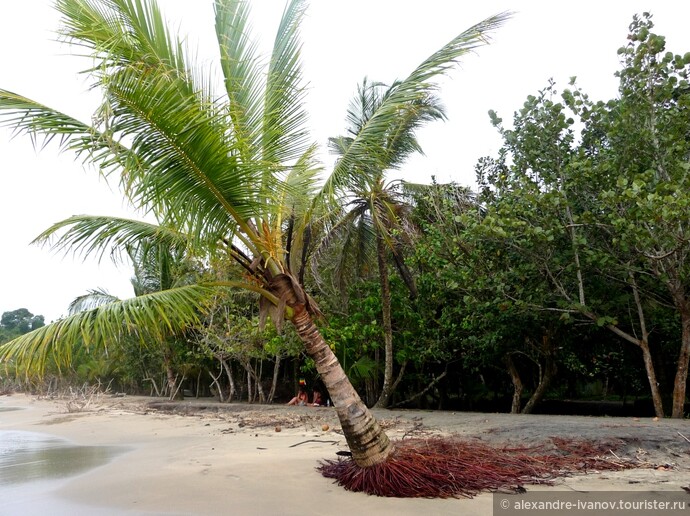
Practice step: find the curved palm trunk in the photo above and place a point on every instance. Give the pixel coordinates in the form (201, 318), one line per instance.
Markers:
(387, 388)
(405, 273)
(367, 441)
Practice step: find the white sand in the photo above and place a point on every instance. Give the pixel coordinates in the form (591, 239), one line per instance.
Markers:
(209, 464)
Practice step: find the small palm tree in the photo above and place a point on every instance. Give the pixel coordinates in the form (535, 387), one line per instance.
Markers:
(374, 221)
(159, 264)
(230, 168)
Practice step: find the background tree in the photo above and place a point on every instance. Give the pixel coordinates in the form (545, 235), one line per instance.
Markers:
(539, 195)
(20, 321)
(645, 151)
(479, 284)
(603, 216)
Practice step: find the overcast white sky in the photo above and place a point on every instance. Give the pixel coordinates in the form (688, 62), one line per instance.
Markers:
(344, 40)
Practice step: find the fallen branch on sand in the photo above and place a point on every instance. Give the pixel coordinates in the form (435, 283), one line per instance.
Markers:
(313, 441)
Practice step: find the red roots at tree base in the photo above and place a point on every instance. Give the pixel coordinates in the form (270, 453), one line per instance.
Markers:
(444, 468)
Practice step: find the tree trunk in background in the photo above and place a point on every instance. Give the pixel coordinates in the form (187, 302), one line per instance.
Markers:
(367, 441)
(175, 393)
(258, 390)
(681, 380)
(250, 392)
(274, 383)
(550, 369)
(518, 387)
(387, 388)
(643, 344)
(651, 377)
(219, 387)
(231, 381)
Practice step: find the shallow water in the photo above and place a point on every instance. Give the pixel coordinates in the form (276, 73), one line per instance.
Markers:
(32, 465)
(30, 456)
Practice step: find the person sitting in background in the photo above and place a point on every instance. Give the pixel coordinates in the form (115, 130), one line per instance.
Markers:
(301, 399)
(317, 401)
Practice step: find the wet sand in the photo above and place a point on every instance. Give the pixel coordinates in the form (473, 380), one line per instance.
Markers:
(202, 458)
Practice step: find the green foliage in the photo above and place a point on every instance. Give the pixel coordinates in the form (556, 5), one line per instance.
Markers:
(227, 169)
(592, 225)
(18, 322)
(578, 231)
(358, 333)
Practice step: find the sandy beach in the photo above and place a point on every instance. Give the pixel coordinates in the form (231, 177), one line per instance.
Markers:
(201, 458)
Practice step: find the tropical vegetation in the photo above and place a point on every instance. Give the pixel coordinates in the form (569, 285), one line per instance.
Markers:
(564, 275)
(231, 172)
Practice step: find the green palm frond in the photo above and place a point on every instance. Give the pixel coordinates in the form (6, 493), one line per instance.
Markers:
(363, 368)
(363, 106)
(89, 235)
(153, 101)
(285, 137)
(203, 170)
(242, 72)
(418, 87)
(398, 142)
(158, 266)
(349, 243)
(45, 125)
(192, 174)
(25, 116)
(206, 162)
(151, 318)
(141, 96)
(298, 210)
(401, 140)
(92, 299)
(118, 33)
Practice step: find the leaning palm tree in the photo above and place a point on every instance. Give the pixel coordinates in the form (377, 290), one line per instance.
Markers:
(373, 221)
(227, 167)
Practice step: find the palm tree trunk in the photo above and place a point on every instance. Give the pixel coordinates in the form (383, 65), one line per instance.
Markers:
(367, 441)
(386, 390)
(404, 271)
